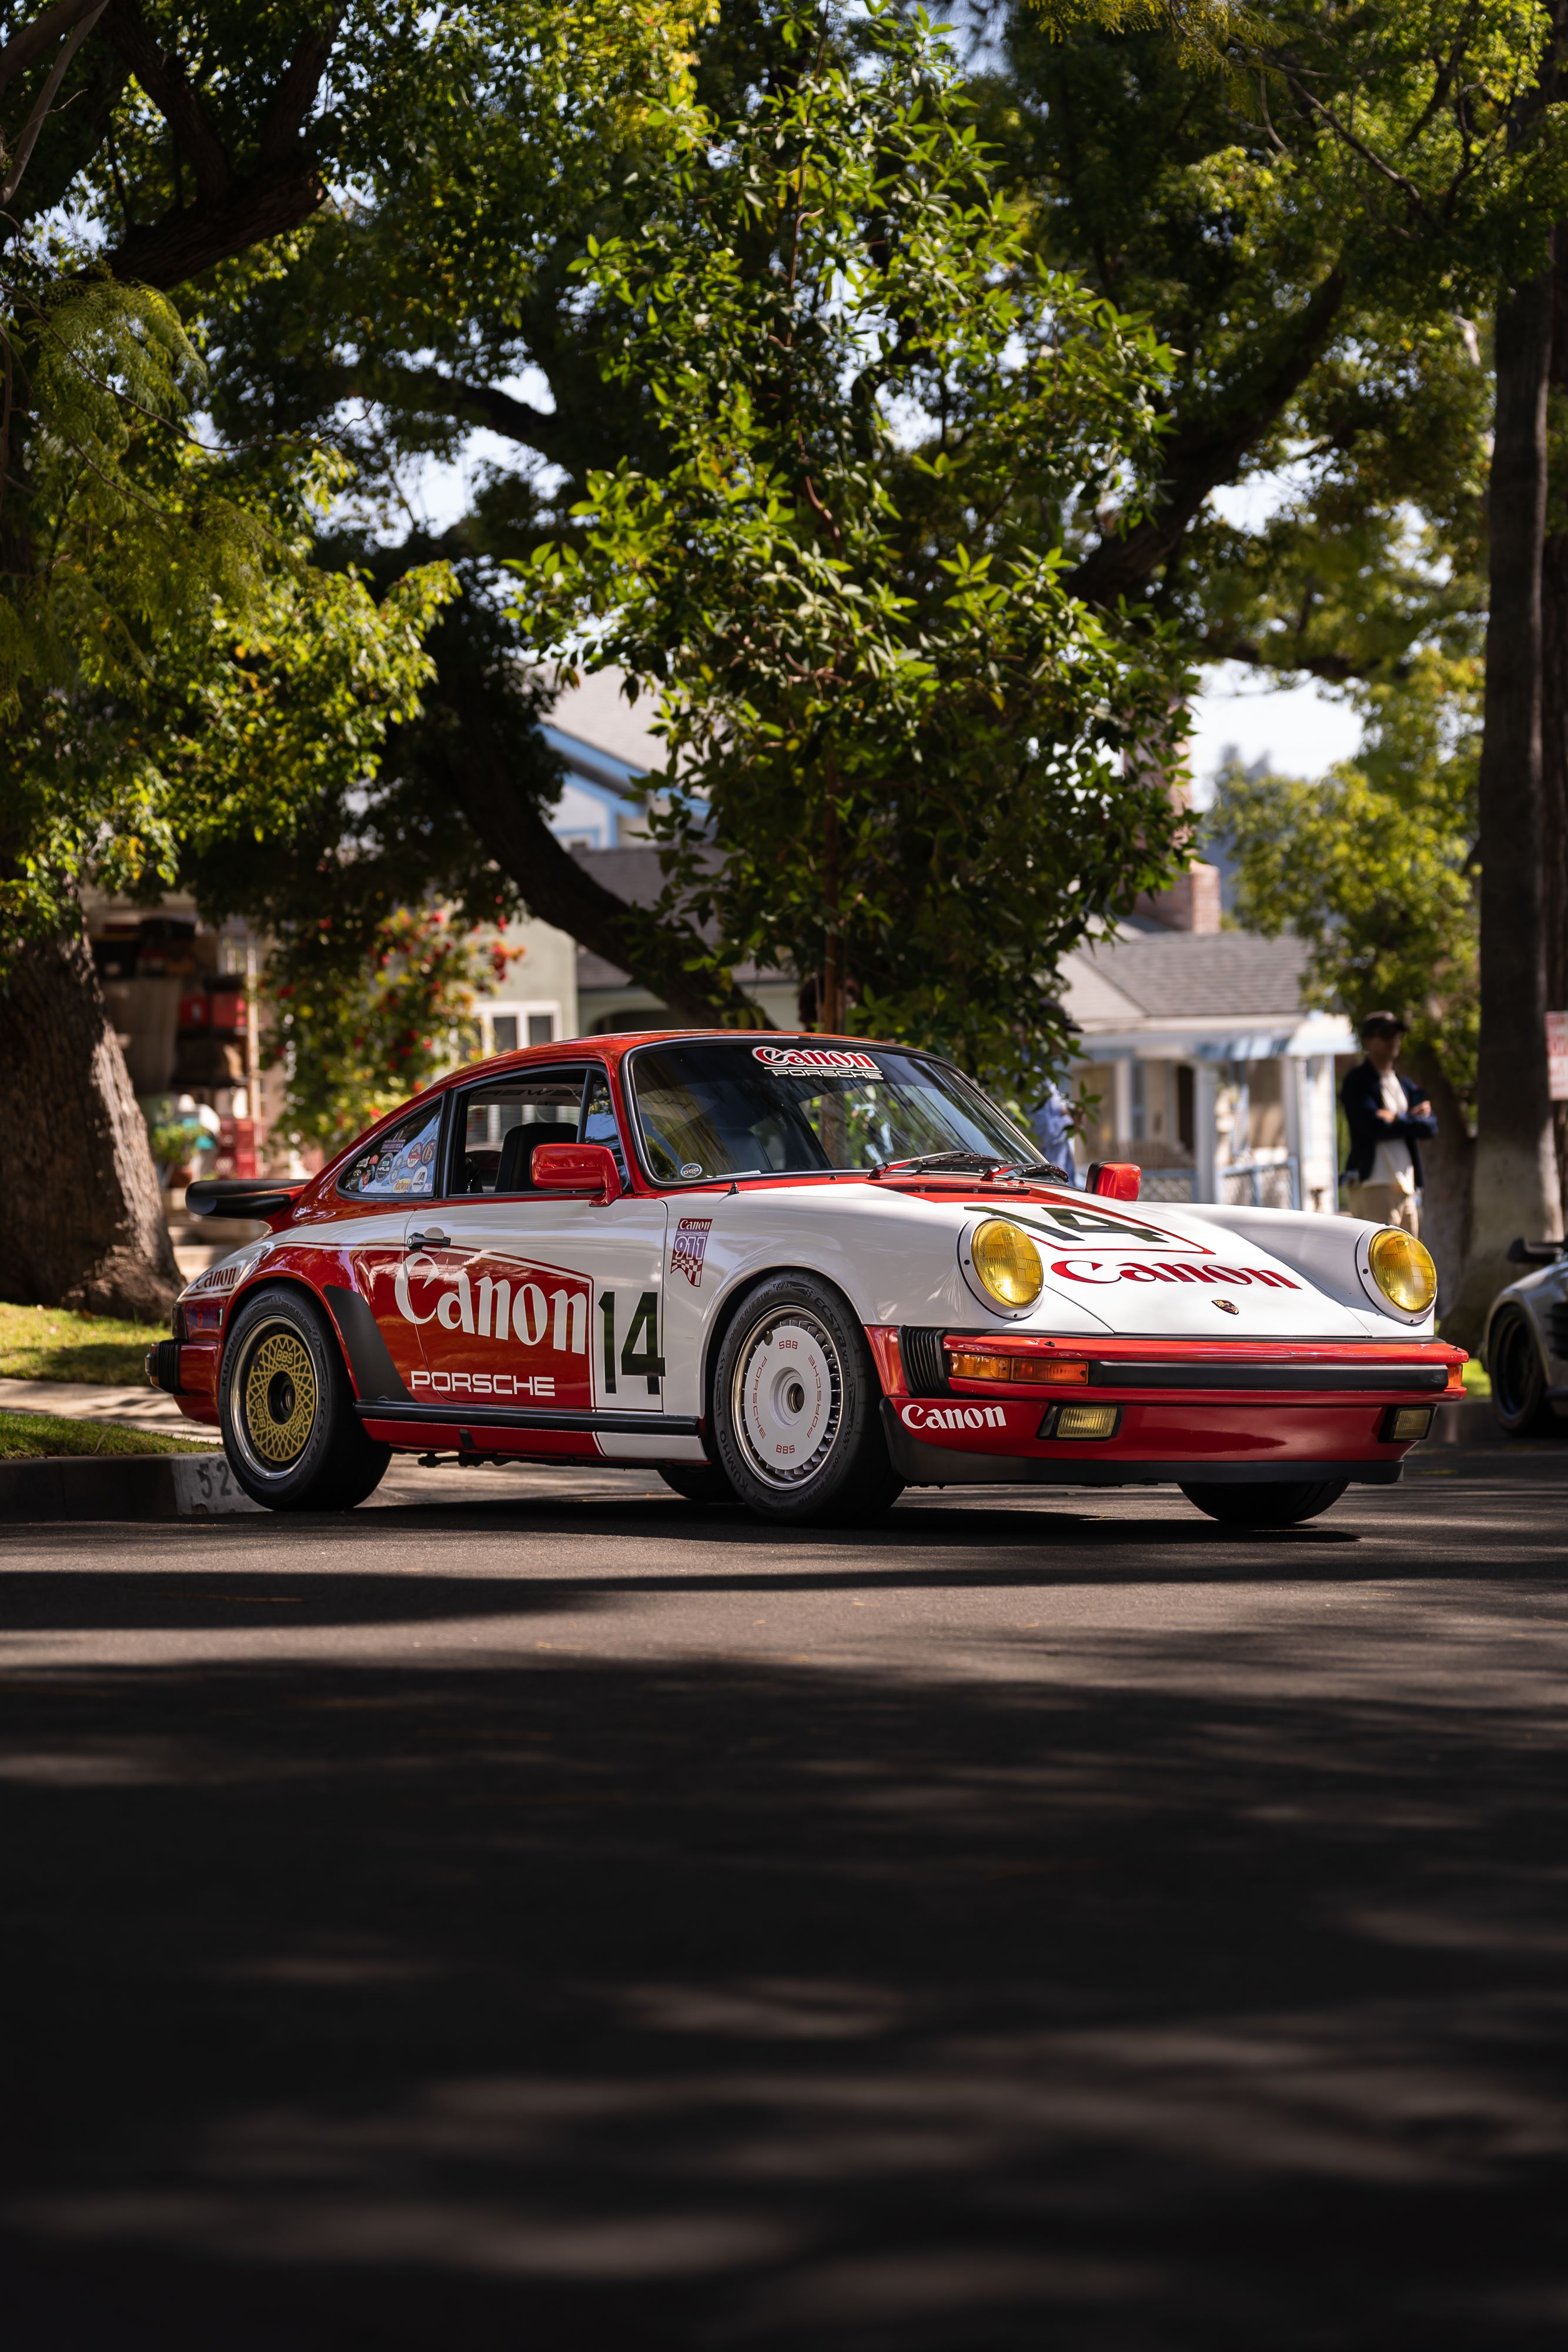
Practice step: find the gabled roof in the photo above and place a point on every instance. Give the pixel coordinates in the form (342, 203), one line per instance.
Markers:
(1188, 975)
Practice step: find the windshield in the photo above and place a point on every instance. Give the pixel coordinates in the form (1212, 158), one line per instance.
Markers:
(729, 1107)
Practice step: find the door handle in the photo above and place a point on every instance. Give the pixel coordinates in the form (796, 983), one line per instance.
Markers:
(433, 1239)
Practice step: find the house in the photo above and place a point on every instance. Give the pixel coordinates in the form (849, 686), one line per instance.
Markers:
(1199, 1063)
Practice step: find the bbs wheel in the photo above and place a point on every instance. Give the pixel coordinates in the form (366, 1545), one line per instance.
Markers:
(293, 1439)
(1518, 1376)
(1283, 1505)
(795, 1408)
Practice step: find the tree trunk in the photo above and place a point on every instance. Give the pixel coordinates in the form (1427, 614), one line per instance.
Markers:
(1554, 707)
(78, 1191)
(1515, 1175)
(1447, 1167)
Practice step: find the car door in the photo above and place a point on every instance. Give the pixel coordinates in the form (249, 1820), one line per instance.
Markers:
(536, 1308)
(380, 1196)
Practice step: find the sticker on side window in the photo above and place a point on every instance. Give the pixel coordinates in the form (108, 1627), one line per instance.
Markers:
(821, 1060)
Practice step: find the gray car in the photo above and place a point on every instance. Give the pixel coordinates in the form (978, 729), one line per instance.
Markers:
(1526, 1348)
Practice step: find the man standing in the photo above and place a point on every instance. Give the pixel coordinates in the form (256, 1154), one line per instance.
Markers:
(1388, 1117)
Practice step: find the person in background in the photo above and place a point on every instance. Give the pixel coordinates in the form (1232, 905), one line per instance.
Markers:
(1052, 1126)
(1388, 1118)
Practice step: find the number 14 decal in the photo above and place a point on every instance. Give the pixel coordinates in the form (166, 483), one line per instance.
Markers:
(640, 1348)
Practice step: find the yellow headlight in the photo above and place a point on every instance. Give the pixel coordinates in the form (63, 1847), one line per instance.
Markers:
(1403, 1270)
(1007, 1262)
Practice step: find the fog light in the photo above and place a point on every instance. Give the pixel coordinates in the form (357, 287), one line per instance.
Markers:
(1081, 1421)
(1407, 1424)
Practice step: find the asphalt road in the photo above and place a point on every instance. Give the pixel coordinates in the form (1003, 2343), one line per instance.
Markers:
(549, 1917)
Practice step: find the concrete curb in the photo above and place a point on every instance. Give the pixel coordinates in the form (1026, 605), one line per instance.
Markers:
(120, 1487)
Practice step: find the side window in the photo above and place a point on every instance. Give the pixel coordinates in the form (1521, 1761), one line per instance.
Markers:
(400, 1163)
(599, 1121)
(498, 1126)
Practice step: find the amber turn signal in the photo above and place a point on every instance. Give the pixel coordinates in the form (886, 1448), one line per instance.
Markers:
(980, 1367)
(1050, 1371)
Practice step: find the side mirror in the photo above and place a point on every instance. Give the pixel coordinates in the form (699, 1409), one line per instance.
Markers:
(577, 1167)
(1117, 1180)
(1518, 1253)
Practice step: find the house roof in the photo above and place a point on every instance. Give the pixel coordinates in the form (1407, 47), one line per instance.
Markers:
(1187, 976)
(633, 873)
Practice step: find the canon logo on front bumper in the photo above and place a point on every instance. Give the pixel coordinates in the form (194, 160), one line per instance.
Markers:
(953, 1416)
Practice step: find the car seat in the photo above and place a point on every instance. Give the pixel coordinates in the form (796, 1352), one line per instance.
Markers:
(516, 1173)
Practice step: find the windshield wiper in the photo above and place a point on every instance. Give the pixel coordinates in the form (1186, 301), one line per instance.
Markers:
(964, 1163)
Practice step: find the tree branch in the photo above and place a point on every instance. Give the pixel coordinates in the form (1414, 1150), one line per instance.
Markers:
(1200, 459)
(230, 215)
(46, 99)
(162, 76)
(560, 891)
(35, 41)
(393, 386)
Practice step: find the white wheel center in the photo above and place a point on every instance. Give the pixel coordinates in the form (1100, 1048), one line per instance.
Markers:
(788, 1395)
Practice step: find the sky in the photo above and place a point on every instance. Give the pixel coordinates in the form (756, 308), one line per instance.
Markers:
(1301, 731)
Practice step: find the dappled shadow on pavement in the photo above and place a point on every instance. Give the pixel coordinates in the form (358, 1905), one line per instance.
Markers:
(713, 2004)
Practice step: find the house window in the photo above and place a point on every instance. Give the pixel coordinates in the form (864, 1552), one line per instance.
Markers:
(503, 1027)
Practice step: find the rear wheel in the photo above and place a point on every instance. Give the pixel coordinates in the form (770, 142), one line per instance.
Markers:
(796, 1405)
(293, 1439)
(699, 1482)
(1267, 1505)
(1518, 1376)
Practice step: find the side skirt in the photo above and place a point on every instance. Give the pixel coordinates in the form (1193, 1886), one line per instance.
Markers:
(491, 1416)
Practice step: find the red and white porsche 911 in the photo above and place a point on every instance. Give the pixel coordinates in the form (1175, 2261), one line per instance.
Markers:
(800, 1272)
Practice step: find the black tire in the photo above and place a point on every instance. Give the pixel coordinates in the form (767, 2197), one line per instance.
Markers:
(293, 1439)
(796, 1408)
(699, 1482)
(1267, 1505)
(1518, 1376)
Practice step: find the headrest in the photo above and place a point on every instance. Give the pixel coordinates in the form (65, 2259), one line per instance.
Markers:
(516, 1172)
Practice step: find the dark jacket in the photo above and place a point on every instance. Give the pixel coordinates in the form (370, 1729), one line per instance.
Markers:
(1362, 1094)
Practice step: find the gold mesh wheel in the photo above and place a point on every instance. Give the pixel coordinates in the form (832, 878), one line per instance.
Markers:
(279, 1399)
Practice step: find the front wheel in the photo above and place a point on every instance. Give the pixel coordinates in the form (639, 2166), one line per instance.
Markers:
(293, 1439)
(697, 1482)
(795, 1408)
(1284, 1504)
(1518, 1376)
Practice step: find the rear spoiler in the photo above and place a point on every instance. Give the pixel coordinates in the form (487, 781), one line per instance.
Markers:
(244, 1196)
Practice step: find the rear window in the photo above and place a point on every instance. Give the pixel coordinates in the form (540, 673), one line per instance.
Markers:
(400, 1163)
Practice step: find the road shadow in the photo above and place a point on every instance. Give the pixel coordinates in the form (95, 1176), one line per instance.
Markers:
(724, 2004)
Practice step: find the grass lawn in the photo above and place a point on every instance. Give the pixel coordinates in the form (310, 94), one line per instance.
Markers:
(47, 1343)
(1475, 1379)
(25, 1435)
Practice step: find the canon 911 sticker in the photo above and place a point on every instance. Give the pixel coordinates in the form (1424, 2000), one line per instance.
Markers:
(689, 1248)
(816, 1061)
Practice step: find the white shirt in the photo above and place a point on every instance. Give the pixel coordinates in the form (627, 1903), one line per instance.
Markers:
(1392, 1164)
